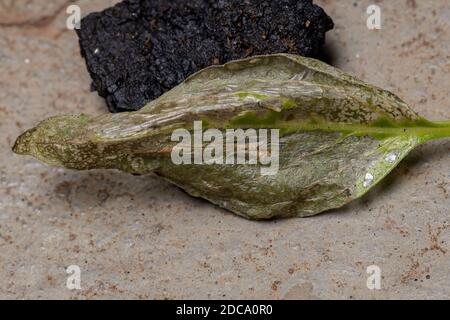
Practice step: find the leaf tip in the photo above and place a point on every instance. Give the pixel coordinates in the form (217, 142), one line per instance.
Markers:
(23, 143)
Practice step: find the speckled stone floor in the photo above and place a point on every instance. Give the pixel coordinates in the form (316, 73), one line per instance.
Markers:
(139, 237)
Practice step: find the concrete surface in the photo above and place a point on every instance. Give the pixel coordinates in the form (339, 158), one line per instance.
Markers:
(139, 237)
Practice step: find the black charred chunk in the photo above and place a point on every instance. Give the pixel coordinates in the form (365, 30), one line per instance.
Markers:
(139, 49)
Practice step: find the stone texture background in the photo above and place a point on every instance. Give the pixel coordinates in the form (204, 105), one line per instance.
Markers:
(139, 237)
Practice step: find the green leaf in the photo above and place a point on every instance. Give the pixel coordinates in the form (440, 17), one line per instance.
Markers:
(339, 136)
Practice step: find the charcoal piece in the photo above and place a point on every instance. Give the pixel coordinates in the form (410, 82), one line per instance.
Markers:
(139, 49)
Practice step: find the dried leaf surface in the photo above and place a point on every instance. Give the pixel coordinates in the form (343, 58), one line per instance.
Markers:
(340, 136)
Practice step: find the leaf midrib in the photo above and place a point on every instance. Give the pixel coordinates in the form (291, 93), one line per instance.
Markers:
(435, 130)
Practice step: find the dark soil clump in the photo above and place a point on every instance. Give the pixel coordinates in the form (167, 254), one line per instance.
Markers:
(139, 49)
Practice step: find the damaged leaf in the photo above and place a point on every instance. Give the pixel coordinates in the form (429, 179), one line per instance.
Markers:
(339, 136)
